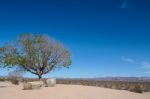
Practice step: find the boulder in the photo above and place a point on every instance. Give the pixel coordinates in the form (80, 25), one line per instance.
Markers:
(36, 85)
(27, 86)
(33, 85)
(51, 82)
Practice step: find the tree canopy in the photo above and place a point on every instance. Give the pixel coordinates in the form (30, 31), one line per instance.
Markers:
(35, 53)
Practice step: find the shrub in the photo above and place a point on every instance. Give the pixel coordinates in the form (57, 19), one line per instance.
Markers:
(27, 86)
(14, 77)
(14, 81)
(136, 88)
(2, 79)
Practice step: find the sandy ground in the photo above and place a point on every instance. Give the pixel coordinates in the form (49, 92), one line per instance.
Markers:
(9, 91)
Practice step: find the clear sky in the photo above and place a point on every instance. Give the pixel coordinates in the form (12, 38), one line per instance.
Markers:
(105, 37)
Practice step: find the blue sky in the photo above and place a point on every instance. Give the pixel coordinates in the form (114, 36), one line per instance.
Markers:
(105, 37)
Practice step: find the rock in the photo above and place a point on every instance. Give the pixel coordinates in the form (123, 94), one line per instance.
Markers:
(36, 85)
(33, 85)
(51, 82)
(27, 86)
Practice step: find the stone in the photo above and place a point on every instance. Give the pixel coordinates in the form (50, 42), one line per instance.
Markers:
(51, 82)
(36, 85)
(33, 85)
(27, 86)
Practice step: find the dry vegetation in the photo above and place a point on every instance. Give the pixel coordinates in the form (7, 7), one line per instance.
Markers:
(138, 87)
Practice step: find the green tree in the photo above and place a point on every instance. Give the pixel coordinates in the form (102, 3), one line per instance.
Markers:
(37, 54)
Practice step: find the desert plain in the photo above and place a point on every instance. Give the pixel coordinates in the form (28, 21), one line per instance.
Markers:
(61, 91)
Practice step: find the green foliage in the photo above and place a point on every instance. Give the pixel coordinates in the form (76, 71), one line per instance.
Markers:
(38, 54)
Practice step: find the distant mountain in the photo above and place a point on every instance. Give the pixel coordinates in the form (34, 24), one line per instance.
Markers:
(128, 79)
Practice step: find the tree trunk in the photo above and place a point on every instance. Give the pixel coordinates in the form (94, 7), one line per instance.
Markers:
(40, 76)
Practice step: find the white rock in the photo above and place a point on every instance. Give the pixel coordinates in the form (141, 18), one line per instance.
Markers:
(32, 85)
(27, 86)
(36, 85)
(51, 82)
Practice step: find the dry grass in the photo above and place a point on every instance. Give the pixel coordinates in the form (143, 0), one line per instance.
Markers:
(137, 87)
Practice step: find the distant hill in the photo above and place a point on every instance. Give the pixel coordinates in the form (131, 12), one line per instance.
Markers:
(128, 79)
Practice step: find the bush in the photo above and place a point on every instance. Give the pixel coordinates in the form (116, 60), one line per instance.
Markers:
(137, 89)
(27, 86)
(14, 77)
(2, 79)
(14, 81)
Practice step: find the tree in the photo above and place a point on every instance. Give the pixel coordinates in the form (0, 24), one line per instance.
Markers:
(37, 54)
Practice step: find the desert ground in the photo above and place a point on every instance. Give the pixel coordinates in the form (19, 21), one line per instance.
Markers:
(60, 91)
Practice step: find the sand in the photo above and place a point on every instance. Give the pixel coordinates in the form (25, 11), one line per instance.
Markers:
(9, 91)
